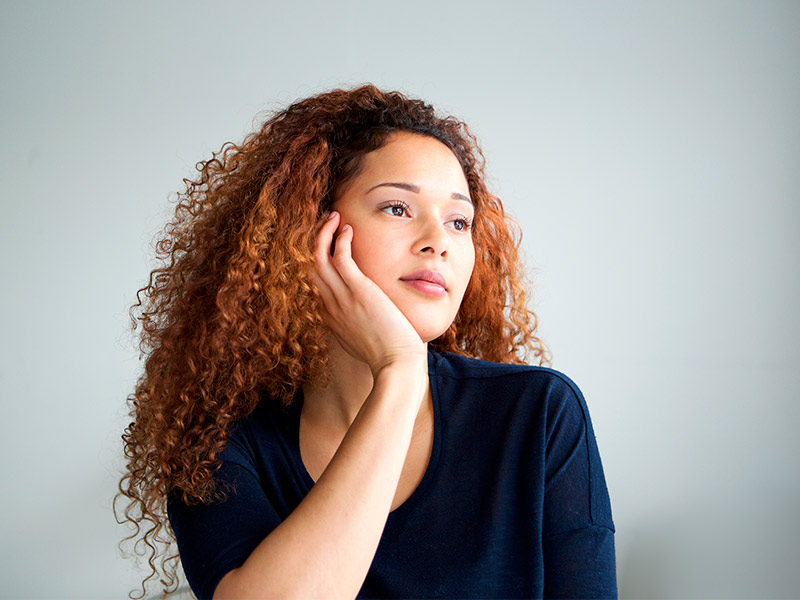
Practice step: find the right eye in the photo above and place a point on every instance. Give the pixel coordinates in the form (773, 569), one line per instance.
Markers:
(396, 209)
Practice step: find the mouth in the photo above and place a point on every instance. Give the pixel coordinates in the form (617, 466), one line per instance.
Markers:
(426, 281)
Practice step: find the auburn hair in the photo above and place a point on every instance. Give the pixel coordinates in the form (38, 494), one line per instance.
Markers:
(230, 316)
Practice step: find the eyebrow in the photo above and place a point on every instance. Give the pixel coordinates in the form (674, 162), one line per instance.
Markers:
(410, 187)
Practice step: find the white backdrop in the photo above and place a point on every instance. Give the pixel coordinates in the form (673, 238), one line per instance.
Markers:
(650, 151)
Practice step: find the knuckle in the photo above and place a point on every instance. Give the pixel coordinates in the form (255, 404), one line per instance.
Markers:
(340, 260)
(318, 252)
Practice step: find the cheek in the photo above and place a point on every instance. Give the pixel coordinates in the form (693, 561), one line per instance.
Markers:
(469, 264)
(367, 253)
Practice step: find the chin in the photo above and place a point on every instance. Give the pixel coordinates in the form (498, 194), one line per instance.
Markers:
(428, 322)
(429, 332)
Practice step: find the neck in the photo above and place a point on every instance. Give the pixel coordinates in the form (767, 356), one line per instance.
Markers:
(349, 385)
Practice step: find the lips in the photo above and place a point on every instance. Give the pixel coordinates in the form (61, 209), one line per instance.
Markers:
(428, 276)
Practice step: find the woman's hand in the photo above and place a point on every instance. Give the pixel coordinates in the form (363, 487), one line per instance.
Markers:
(366, 323)
(338, 525)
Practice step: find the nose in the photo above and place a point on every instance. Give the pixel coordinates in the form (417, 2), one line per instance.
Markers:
(433, 238)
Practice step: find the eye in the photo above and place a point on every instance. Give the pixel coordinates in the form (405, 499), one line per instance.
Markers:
(461, 224)
(396, 209)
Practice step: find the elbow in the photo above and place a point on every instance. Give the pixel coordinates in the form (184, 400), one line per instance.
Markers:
(229, 587)
(237, 585)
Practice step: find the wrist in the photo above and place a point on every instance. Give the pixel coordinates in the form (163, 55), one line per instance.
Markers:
(402, 365)
(409, 373)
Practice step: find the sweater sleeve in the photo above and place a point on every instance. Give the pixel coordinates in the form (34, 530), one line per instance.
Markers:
(217, 537)
(577, 528)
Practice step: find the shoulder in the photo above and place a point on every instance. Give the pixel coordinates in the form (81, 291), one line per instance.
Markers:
(540, 396)
(446, 365)
(260, 437)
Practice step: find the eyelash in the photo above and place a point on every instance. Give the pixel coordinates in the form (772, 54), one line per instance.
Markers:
(398, 204)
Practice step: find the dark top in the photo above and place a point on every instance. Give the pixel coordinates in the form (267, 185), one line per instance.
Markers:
(513, 502)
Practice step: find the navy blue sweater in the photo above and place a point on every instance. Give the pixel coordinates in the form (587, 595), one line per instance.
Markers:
(513, 503)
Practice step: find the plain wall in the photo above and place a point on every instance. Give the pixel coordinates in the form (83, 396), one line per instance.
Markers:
(649, 150)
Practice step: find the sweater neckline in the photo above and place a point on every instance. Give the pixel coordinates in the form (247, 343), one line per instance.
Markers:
(293, 441)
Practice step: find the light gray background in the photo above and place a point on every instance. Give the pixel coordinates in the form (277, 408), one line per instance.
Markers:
(650, 151)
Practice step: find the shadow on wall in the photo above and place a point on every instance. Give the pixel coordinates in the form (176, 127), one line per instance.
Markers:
(710, 549)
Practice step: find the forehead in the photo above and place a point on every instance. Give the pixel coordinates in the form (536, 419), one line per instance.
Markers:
(423, 160)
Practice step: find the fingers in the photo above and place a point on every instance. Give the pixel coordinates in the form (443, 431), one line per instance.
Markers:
(322, 248)
(337, 267)
(343, 257)
(339, 280)
(331, 281)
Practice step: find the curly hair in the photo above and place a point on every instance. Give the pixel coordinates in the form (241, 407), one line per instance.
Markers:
(231, 316)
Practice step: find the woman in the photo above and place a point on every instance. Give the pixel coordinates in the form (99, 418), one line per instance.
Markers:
(318, 413)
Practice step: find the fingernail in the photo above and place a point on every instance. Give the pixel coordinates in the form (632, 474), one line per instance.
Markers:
(333, 214)
(345, 228)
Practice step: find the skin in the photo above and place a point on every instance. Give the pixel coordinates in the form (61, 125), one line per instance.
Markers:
(366, 438)
(388, 242)
(397, 231)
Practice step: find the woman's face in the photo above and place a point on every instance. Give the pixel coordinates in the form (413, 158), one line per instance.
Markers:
(411, 214)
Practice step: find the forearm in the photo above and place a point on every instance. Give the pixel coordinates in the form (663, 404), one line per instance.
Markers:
(325, 547)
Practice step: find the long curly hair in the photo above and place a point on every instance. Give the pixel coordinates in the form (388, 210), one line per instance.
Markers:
(230, 314)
